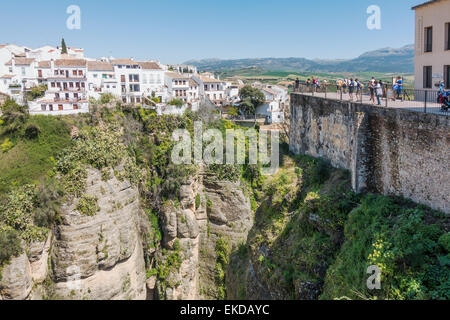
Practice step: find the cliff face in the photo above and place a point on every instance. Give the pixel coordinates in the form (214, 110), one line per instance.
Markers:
(101, 257)
(207, 210)
(86, 257)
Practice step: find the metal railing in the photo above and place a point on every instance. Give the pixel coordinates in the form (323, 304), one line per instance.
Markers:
(426, 101)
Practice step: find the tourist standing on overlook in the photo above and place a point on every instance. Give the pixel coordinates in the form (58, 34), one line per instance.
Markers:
(372, 84)
(297, 85)
(351, 88)
(345, 85)
(399, 88)
(359, 87)
(378, 91)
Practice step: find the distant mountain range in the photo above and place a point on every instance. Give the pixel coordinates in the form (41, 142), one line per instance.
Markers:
(386, 60)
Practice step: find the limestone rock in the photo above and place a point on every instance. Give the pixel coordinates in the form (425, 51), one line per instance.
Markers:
(16, 280)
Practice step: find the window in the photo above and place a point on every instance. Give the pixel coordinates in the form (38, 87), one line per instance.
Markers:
(50, 107)
(75, 107)
(134, 88)
(104, 76)
(23, 71)
(53, 85)
(429, 39)
(43, 107)
(60, 107)
(74, 72)
(122, 78)
(134, 77)
(80, 72)
(427, 77)
(447, 76)
(447, 36)
(95, 75)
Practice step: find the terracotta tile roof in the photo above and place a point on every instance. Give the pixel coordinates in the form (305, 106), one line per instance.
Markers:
(100, 66)
(193, 83)
(7, 76)
(70, 63)
(269, 91)
(44, 64)
(20, 62)
(124, 62)
(3, 45)
(210, 80)
(147, 65)
(175, 75)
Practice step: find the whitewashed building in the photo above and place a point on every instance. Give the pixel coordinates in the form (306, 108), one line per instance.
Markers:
(67, 89)
(6, 53)
(152, 80)
(128, 73)
(101, 79)
(178, 85)
(275, 104)
(213, 89)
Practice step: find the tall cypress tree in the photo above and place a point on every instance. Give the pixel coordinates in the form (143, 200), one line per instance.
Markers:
(63, 47)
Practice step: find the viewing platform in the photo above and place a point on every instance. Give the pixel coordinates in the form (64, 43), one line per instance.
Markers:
(411, 100)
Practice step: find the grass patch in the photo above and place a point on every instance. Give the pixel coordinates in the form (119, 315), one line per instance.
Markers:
(29, 160)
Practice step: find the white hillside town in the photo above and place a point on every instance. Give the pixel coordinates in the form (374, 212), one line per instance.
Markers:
(69, 80)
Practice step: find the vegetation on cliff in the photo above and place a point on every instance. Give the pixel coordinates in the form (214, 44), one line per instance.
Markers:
(314, 238)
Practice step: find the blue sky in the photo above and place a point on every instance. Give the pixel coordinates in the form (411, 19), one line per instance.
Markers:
(178, 30)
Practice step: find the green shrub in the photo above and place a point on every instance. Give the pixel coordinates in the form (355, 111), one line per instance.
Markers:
(88, 205)
(17, 212)
(223, 252)
(197, 201)
(32, 131)
(444, 242)
(390, 233)
(9, 244)
(14, 116)
(176, 102)
(106, 98)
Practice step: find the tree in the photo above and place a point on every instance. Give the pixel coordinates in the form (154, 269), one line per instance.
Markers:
(63, 47)
(14, 116)
(251, 99)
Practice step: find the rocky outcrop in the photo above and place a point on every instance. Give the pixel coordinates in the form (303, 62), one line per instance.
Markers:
(97, 257)
(207, 209)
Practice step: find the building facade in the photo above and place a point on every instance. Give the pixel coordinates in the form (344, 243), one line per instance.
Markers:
(432, 44)
(66, 89)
